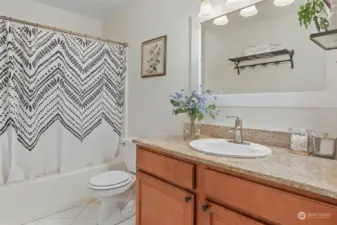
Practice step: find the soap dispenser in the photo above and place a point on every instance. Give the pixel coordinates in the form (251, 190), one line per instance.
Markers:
(325, 146)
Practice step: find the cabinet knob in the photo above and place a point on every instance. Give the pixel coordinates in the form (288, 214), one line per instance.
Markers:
(204, 207)
(187, 199)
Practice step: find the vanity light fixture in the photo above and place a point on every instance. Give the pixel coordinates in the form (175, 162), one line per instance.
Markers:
(205, 9)
(223, 20)
(249, 11)
(283, 2)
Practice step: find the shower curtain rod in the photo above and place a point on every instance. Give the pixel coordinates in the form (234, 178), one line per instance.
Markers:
(61, 30)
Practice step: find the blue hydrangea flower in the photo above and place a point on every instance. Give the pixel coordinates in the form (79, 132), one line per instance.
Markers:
(196, 105)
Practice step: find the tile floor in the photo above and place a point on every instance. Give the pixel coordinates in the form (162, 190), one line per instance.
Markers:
(81, 215)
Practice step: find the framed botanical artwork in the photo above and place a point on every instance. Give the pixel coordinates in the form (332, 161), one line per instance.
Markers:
(154, 57)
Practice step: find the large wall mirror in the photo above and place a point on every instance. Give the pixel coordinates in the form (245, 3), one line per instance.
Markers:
(271, 29)
(263, 57)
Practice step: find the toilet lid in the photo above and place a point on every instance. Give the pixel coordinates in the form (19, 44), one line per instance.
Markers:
(110, 180)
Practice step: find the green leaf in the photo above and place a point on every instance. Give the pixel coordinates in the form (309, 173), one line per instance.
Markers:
(212, 107)
(174, 102)
(212, 115)
(312, 12)
(200, 116)
(324, 23)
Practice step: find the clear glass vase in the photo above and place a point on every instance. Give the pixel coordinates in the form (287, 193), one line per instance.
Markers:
(192, 129)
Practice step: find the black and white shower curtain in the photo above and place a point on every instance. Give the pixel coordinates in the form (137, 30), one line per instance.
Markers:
(61, 101)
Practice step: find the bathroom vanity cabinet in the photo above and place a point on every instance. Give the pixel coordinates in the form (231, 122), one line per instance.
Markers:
(156, 195)
(174, 190)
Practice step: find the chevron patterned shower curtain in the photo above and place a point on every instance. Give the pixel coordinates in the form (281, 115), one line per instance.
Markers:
(61, 102)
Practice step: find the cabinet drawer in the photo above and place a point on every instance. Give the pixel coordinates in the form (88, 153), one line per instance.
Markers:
(218, 215)
(272, 204)
(171, 170)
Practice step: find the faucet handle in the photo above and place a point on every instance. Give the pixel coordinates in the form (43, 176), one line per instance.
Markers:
(238, 121)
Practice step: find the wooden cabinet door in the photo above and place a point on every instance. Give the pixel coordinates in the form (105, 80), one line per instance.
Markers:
(159, 203)
(217, 215)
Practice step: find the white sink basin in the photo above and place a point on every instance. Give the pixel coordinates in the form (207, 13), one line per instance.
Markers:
(223, 147)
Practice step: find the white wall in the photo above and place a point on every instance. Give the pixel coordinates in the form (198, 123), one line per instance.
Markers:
(149, 110)
(51, 16)
(224, 42)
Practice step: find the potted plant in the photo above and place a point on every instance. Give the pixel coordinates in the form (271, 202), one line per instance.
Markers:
(196, 107)
(316, 11)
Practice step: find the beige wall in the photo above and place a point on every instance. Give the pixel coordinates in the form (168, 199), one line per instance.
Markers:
(148, 107)
(281, 119)
(51, 16)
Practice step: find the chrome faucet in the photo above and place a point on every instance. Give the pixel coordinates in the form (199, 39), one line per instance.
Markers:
(236, 130)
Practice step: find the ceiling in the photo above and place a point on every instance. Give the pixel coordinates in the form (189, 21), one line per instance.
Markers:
(92, 8)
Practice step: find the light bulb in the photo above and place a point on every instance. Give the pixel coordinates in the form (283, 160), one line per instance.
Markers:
(249, 11)
(205, 9)
(223, 20)
(283, 2)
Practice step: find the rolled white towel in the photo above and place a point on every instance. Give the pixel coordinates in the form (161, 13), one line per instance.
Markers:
(258, 49)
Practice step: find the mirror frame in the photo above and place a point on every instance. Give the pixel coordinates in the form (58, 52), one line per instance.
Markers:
(312, 99)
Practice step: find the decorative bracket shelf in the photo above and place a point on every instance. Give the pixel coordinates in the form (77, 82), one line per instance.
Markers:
(238, 60)
(326, 40)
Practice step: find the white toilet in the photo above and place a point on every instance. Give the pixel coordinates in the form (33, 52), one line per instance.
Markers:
(116, 189)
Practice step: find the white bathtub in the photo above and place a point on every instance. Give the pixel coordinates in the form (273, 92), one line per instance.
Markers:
(30, 200)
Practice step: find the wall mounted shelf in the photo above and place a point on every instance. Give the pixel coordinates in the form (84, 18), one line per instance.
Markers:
(265, 55)
(326, 40)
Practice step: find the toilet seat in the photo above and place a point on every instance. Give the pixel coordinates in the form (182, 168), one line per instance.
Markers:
(110, 180)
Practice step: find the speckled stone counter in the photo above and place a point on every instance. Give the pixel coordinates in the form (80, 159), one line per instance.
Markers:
(312, 174)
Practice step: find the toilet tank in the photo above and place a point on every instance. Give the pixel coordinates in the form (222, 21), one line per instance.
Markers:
(128, 151)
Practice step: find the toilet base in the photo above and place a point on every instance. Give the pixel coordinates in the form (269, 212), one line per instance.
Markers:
(116, 209)
(120, 214)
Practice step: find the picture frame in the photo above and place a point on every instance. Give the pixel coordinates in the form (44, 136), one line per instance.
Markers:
(153, 58)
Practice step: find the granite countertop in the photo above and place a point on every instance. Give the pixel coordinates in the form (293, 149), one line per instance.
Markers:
(313, 174)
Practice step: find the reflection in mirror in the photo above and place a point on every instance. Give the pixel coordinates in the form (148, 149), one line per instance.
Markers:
(293, 63)
(211, 9)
